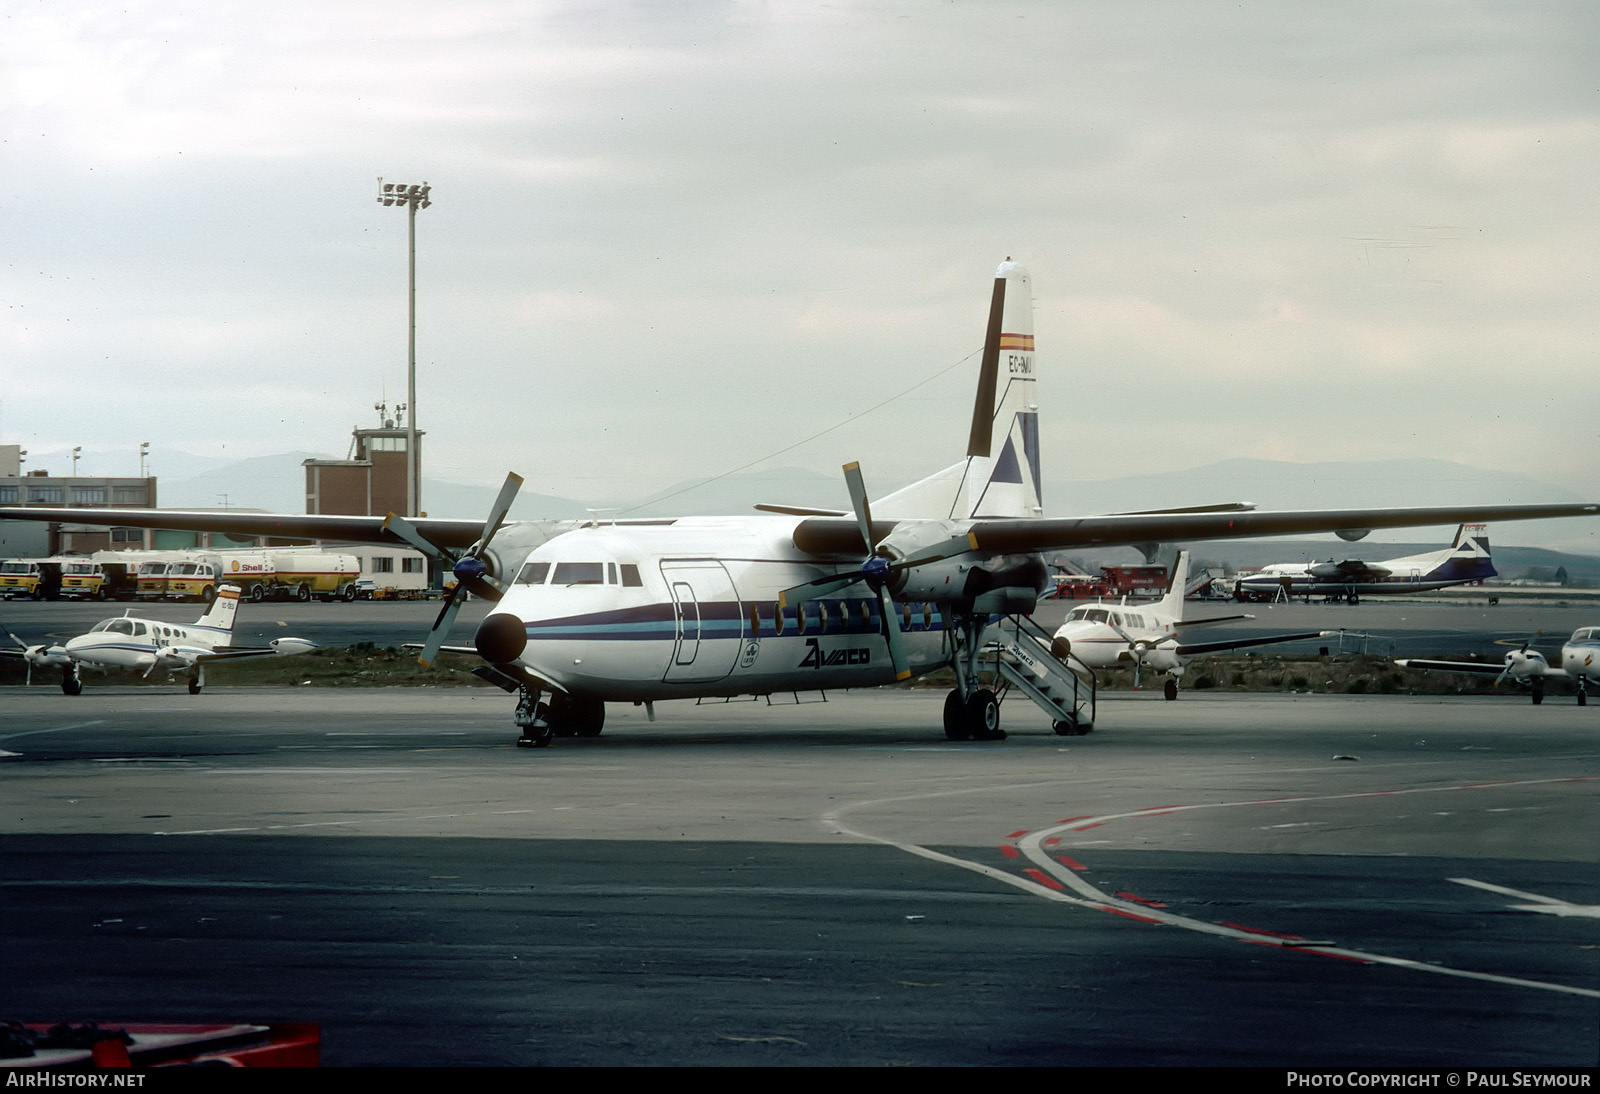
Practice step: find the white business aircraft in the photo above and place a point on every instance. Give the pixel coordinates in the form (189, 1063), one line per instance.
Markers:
(1580, 662)
(144, 645)
(1465, 560)
(641, 611)
(1146, 636)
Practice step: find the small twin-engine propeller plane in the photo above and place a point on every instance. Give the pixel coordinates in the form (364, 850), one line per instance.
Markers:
(1580, 662)
(799, 599)
(1147, 636)
(1465, 560)
(144, 645)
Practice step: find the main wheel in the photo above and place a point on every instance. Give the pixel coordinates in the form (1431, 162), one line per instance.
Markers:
(1169, 689)
(194, 687)
(955, 717)
(983, 716)
(1583, 698)
(71, 685)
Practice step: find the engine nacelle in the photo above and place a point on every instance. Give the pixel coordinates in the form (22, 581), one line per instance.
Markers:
(1003, 583)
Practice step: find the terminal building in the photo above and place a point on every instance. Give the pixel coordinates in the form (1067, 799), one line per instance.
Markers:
(31, 539)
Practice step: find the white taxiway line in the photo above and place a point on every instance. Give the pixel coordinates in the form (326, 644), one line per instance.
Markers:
(1049, 878)
(1547, 904)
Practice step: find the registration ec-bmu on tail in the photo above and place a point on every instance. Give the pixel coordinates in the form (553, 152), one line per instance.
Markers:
(941, 574)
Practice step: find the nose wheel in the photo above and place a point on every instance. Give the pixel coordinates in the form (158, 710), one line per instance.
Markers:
(533, 718)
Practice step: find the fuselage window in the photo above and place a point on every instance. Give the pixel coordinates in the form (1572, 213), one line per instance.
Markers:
(927, 616)
(580, 573)
(800, 619)
(534, 573)
(630, 576)
(822, 615)
(611, 573)
(777, 619)
(866, 615)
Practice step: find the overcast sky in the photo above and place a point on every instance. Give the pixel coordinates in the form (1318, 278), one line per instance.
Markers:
(673, 238)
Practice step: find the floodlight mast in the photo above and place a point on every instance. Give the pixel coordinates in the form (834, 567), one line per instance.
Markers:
(413, 196)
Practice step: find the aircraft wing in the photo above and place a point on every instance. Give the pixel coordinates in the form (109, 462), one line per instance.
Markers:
(1194, 649)
(458, 534)
(1476, 668)
(832, 536)
(234, 653)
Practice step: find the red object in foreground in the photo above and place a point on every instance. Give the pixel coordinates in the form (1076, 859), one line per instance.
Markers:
(150, 1044)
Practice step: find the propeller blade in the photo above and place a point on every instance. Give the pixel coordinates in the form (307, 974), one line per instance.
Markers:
(858, 501)
(891, 631)
(497, 515)
(817, 588)
(938, 552)
(441, 626)
(407, 531)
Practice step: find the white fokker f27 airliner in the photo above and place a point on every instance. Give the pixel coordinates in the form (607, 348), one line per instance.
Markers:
(642, 611)
(1465, 560)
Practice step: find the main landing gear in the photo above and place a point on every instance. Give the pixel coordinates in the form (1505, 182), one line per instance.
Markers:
(975, 718)
(563, 716)
(71, 683)
(971, 712)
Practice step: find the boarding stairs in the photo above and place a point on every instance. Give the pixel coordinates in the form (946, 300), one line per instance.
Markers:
(1063, 690)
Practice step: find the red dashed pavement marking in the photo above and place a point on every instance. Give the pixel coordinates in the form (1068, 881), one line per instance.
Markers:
(1146, 901)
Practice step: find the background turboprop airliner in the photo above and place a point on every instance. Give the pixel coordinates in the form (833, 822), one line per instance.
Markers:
(1465, 560)
(922, 579)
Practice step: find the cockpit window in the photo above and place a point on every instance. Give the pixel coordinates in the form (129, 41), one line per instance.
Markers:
(534, 573)
(580, 573)
(119, 626)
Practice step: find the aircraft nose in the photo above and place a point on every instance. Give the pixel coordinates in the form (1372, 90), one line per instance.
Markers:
(501, 638)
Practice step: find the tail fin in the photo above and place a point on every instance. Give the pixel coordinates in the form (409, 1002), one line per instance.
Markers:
(1000, 476)
(1172, 603)
(1469, 555)
(223, 608)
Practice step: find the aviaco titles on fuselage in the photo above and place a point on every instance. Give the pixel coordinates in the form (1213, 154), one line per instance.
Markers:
(941, 574)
